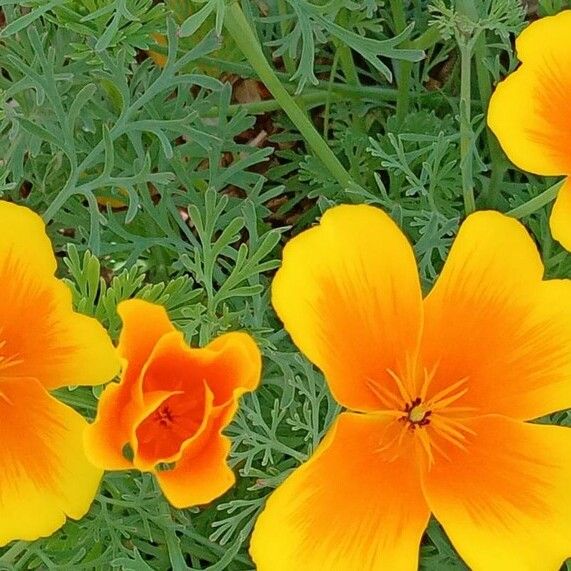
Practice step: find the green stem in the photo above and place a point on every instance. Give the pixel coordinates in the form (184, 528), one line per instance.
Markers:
(171, 540)
(404, 68)
(284, 29)
(348, 65)
(330, 97)
(362, 92)
(466, 133)
(240, 30)
(349, 68)
(367, 92)
(10, 556)
(482, 74)
(426, 40)
(309, 99)
(346, 56)
(536, 203)
(498, 165)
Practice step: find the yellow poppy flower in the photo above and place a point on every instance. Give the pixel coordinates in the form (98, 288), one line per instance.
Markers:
(530, 111)
(44, 473)
(172, 404)
(437, 391)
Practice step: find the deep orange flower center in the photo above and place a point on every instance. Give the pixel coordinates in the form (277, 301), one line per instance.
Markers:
(164, 416)
(161, 435)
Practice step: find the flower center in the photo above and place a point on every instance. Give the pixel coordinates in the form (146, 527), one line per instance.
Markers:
(416, 413)
(164, 416)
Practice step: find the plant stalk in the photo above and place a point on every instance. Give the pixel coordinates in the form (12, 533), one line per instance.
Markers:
(498, 165)
(242, 34)
(284, 28)
(538, 202)
(404, 68)
(466, 133)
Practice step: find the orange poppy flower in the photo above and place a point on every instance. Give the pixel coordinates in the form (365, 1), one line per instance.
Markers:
(44, 345)
(530, 112)
(172, 404)
(438, 392)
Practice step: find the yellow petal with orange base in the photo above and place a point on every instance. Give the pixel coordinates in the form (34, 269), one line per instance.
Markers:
(350, 507)
(560, 221)
(545, 42)
(348, 293)
(529, 111)
(40, 334)
(505, 500)
(24, 237)
(44, 474)
(493, 325)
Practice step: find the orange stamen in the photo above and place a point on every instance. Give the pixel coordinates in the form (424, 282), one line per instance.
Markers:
(386, 397)
(400, 385)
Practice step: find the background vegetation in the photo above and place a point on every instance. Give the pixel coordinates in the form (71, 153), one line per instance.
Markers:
(178, 177)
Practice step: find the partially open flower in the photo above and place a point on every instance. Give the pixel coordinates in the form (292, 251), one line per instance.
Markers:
(44, 345)
(530, 111)
(167, 414)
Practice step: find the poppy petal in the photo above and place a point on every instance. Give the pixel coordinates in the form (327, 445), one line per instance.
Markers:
(348, 293)
(492, 322)
(44, 474)
(560, 221)
(40, 335)
(23, 232)
(504, 499)
(232, 366)
(144, 323)
(106, 437)
(545, 39)
(529, 111)
(348, 507)
(199, 476)
(120, 404)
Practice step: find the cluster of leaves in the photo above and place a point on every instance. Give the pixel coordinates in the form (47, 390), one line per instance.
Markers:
(151, 188)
